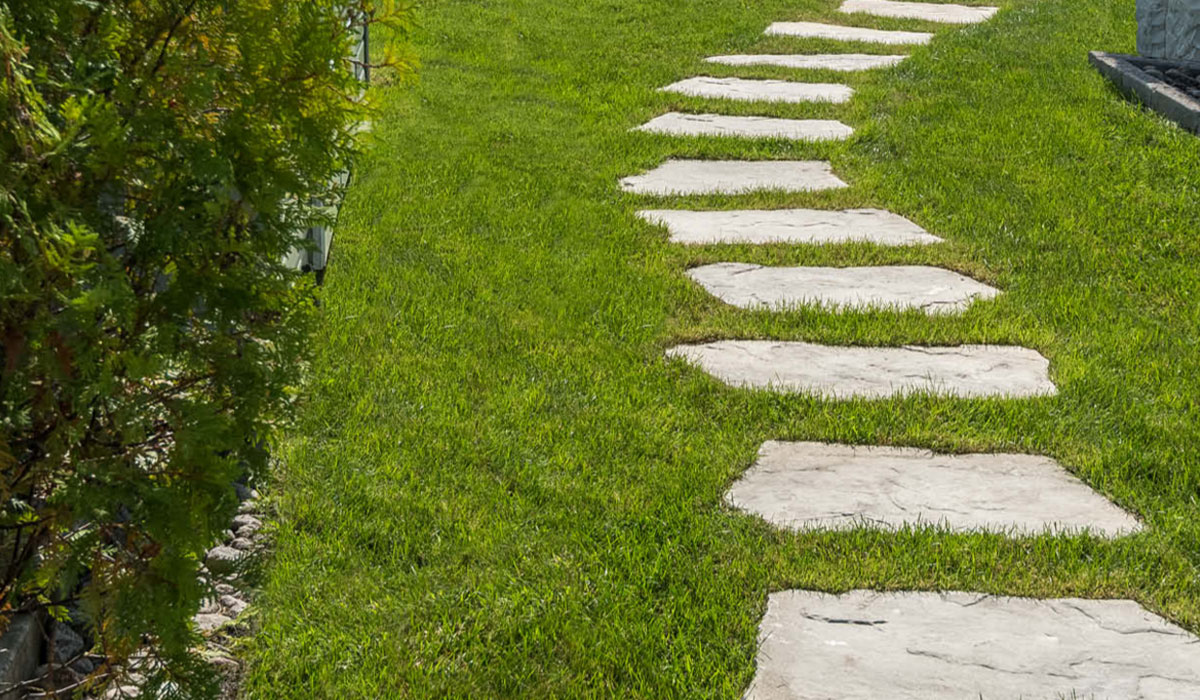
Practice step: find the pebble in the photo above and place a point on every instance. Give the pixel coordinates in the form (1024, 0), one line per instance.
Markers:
(245, 525)
(223, 559)
(211, 621)
(233, 604)
(243, 543)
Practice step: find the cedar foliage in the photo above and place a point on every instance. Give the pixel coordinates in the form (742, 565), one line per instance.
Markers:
(158, 159)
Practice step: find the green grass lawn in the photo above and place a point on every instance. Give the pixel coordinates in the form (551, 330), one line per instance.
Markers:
(500, 488)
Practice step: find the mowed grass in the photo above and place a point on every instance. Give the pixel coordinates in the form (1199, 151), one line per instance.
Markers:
(501, 489)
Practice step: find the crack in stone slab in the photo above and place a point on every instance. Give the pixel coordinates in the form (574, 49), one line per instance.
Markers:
(956, 645)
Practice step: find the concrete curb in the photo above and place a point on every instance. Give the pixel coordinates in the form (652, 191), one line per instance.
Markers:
(1126, 73)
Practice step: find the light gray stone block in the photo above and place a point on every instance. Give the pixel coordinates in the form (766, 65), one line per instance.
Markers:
(816, 30)
(815, 226)
(841, 62)
(966, 371)
(679, 124)
(682, 177)
(808, 485)
(928, 11)
(931, 289)
(761, 90)
(864, 645)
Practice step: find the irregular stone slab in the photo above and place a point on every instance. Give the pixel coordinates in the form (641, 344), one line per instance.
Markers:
(681, 177)
(928, 11)
(816, 30)
(966, 371)
(761, 90)
(808, 485)
(931, 289)
(842, 62)
(679, 124)
(816, 226)
(864, 645)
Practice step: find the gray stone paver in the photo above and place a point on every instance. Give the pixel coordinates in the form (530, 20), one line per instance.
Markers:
(965, 371)
(814, 226)
(680, 124)
(932, 289)
(931, 12)
(816, 30)
(761, 90)
(684, 177)
(841, 62)
(864, 645)
(808, 485)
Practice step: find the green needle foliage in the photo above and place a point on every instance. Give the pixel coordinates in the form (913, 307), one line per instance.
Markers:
(158, 159)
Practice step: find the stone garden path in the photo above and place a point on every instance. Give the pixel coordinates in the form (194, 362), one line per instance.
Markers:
(918, 645)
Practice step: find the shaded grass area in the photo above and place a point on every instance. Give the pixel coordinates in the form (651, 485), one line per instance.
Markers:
(501, 489)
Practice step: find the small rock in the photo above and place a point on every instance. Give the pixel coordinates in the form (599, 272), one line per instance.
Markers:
(63, 677)
(121, 692)
(248, 507)
(225, 589)
(224, 664)
(211, 621)
(208, 605)
(229, 535)
(242, 543)
(67, 643)
(83, 666)
(243, 492)
(246, 524)
(233, 604)
(223, 559)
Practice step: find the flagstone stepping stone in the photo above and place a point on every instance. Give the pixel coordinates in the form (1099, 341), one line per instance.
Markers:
(761, 90)
(679, 124)
(682, 177)
(808, 485)
(814, 226)
(931, 12)
(865, 645)
(932, 289)
(842, 372)
(843, 62)
(816, 30)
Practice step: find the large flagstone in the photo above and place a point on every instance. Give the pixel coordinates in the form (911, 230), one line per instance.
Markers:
(816, 30)
(808, 485)
(928, 11)
(933, 290)
(761, 90)
(814, 226)
(864, 645)
(841, 62)
(683, 177)
(965, 371)
(680, 124)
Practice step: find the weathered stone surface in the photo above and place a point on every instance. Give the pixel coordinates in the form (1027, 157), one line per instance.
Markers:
(841, 62)
(67, 643)
(966, 371)
(932, 12)
(864, 645)
(680, 124)
(816, 30)
(808, 485)
(208, 622)
(761, 90)
(20, 646)
(1169, 29)
(931, 289)
(816, 226)
(681, 177)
